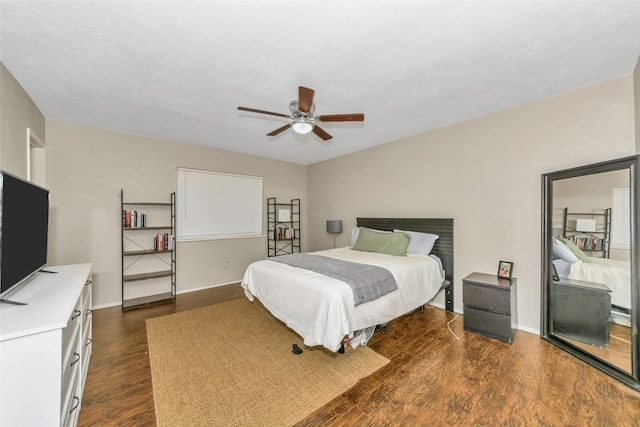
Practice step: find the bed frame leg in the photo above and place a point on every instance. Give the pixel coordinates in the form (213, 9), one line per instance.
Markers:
(341, 350)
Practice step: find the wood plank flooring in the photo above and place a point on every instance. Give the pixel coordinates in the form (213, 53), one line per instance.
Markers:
(617, 351)
(432, 379)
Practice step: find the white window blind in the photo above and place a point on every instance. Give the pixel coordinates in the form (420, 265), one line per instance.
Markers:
(621, 219)
(215, 205)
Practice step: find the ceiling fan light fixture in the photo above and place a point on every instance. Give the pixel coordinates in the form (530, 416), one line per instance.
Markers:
(302, 115)
(302, 126)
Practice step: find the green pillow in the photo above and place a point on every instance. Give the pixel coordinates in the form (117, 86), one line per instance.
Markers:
(384, 243)
(576, 250)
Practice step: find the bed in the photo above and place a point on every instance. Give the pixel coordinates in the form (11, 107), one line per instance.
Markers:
(615, 274)
(323, 310)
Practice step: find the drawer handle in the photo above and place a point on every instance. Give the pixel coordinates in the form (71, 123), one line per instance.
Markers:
(76, 314)
(77, 356)
(89, 311)
(88, 282)
(89, 341)
(76, 404)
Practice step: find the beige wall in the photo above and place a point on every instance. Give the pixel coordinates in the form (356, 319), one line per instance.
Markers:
(485, 173)
(87, 167)
(17, 113)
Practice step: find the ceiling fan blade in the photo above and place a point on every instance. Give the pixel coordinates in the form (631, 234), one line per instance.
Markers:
(342, 118)
(305, 98)
(253, 110)
(321, 133)
(279, 130)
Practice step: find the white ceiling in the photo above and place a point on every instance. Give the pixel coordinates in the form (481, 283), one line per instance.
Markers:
(178, 70)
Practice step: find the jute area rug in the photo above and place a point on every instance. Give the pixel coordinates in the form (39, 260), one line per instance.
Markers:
(231, 364)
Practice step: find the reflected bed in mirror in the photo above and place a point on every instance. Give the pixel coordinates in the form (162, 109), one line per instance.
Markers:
(590, 265)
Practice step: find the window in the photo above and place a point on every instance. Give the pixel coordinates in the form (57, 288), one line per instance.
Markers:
(216, 205)
(621, 219)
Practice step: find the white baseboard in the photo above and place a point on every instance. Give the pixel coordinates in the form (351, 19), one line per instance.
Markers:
(111, 304)
(184, 291)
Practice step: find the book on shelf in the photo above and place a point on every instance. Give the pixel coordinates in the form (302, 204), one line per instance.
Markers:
(588, 243)
(284, 233)
(133, 219)
(163, 242)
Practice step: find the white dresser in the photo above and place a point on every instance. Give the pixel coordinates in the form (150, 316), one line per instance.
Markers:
(45, 348)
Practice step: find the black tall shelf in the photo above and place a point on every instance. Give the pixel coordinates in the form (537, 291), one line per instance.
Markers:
(592, 242)
(142, 241)
(283, 223)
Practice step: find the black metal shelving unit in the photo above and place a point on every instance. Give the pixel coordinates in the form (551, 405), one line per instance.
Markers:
(283, 235)
(143, 240)
(597, 241)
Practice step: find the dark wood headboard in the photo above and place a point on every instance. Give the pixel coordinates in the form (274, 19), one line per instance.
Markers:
(443, 248)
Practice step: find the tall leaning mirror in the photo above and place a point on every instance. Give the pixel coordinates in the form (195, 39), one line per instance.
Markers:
(590, 279)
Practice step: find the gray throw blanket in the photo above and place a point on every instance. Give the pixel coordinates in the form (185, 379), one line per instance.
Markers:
(367, 282)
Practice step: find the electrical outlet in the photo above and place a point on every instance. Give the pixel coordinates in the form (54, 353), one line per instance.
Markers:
(225, 264)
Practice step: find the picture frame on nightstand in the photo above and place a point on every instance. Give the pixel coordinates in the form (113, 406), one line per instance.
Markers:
(505, 269)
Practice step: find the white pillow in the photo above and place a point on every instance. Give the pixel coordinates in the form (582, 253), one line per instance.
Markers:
(420, 243)
(354, 236)
(562, 251)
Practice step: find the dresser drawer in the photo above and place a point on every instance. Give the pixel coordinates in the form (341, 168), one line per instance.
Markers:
(493, 325)
(86, 296)
(487, 298)
(70, 375)
(69, 415)
(71, 332)
(70, 366)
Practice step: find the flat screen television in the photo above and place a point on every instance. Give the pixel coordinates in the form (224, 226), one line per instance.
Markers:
(24, 223)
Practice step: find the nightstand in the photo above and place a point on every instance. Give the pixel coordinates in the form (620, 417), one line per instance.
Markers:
(580, 310)
(490, 306)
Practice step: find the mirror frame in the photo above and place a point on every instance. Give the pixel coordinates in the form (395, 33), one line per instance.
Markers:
(632, 164)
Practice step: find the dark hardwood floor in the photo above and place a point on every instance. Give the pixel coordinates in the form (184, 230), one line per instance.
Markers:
(617, 351)
(432, 378)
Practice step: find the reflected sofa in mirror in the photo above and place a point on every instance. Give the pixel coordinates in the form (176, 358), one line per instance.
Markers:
(590, 282)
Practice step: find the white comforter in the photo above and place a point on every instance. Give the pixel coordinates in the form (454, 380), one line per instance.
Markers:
(321, 309)
(615, 274)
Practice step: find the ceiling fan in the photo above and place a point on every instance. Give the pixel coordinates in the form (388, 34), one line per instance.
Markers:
(303, 120)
